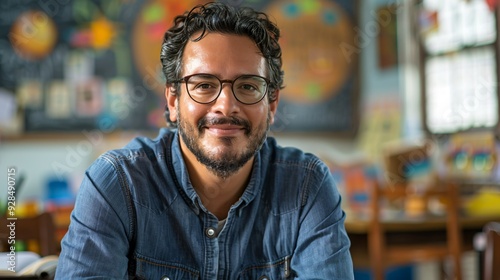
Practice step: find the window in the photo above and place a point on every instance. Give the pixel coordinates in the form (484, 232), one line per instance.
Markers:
(460, 73)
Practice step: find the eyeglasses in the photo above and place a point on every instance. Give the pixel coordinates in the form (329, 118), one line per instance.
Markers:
(206, 88)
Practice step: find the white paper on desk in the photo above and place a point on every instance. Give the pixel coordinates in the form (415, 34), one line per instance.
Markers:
(8, 107)
(23, 259)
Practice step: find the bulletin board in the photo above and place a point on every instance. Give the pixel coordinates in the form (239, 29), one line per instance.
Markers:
(73, 64)
(320, 60)
(83, 64)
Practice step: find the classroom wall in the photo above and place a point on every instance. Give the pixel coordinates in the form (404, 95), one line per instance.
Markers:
(42, 160)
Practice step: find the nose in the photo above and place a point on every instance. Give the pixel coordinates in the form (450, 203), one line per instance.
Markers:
(226, 104)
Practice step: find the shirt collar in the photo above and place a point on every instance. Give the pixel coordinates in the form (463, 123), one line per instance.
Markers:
(187, 189)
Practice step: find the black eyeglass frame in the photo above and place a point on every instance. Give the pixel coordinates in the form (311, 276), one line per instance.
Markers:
(185, 80)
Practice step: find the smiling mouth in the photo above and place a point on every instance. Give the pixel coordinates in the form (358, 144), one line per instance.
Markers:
(225, 132)
(224, 126)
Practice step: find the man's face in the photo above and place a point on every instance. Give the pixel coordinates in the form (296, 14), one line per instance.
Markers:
(224, 134)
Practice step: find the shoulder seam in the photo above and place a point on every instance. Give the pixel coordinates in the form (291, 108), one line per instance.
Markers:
(126, 189)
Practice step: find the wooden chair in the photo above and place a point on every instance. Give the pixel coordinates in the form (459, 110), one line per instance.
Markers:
(491, 265)
(385, 251)
(39, 228)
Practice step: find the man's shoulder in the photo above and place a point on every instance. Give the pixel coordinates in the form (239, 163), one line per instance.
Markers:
(143, 142)
(291, 175)
(141, 146)
(288, 154)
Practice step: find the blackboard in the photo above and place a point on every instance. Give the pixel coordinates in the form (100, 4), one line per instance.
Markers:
(86, 77)
(81, 64)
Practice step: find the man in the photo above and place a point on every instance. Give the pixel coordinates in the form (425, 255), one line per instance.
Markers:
(214, 198)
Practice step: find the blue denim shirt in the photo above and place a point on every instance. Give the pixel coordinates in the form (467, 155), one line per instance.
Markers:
(136, 210)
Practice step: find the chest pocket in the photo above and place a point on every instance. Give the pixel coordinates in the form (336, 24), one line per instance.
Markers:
(270, 271)
(148, 269)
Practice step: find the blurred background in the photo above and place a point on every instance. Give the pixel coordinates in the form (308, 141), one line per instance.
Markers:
(386, 92)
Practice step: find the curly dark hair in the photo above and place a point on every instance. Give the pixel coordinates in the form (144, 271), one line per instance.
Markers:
(221, 18)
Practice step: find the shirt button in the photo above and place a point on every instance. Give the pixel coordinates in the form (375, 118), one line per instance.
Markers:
(210, 232)
(165, 278)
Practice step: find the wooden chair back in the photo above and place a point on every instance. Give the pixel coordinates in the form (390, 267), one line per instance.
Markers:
(384, 254)
(491, 267)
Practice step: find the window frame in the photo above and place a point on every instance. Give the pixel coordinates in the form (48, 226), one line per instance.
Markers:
(423, 58)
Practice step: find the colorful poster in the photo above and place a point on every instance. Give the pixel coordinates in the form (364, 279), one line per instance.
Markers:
(320, 63)
(74, 42)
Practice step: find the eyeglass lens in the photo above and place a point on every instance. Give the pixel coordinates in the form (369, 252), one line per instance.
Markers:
(247, 89)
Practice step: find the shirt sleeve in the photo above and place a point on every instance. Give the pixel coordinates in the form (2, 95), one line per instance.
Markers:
(322, 250)
(97, 242)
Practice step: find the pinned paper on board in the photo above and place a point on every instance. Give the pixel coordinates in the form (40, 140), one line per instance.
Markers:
(30, 94)
(89, 101)
(58, 100)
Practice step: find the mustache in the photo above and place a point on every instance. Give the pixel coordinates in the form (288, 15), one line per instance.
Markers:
(205, 121)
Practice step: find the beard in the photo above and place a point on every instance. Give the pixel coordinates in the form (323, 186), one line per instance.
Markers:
(225, 161)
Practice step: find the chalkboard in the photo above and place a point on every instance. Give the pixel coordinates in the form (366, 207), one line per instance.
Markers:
(71, 65)
(80, 64)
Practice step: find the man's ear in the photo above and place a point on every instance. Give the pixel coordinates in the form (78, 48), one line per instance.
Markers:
(273, 105)
(171, 97)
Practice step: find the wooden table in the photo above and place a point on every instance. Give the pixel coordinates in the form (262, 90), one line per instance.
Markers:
(408, 231)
